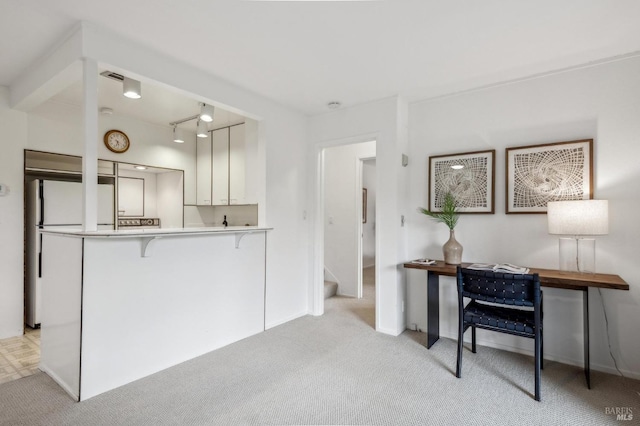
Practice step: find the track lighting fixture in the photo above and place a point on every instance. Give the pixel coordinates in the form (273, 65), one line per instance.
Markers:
(202, 131)
(206, 113)
(205, 116)
(131, 88)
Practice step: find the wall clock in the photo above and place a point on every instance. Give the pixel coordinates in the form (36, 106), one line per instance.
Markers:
(117, 141)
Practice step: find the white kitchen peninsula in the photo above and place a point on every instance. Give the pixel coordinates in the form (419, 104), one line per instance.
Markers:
(121, 305)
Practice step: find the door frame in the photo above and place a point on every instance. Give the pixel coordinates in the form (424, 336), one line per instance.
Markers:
(317, 293)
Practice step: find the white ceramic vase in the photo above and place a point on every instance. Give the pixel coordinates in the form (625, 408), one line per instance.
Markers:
(452, 250)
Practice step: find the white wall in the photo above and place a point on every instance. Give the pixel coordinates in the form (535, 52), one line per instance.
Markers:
(342, 211)
(57, 127)
(13, 126)
(369, 228)
(601, 102)
(385, 122)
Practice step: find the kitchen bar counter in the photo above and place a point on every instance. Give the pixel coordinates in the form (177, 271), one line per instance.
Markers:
(121, 305)
(166, 232)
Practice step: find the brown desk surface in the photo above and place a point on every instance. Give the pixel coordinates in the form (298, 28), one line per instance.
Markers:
(548, 277)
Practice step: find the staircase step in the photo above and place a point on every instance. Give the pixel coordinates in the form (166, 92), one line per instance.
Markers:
(330, 289)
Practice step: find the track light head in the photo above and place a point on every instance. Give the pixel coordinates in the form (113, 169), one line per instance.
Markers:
(131, 88)
(177, 134)
(202, 131)
(206, 113)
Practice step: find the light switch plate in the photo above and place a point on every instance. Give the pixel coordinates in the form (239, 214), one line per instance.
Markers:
(4, 189)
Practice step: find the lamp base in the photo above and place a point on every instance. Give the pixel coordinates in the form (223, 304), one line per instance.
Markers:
(578, 254)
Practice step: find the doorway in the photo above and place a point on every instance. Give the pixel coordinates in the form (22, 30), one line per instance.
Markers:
(368, 255)
(346, 213)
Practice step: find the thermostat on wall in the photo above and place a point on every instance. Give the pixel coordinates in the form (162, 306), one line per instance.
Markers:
(4, 189)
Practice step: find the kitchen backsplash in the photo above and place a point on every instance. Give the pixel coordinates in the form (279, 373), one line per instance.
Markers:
(206, 216)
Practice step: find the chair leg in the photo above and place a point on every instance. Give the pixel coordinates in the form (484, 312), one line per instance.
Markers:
(473, 339)
(460, 337)
(542, 349)
(538, 359)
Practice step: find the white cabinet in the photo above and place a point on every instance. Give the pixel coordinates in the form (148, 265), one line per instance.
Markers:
(237, 165)
(221, 176)
(203, 171)
(221, 170)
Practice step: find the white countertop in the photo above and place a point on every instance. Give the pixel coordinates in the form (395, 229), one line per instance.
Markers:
(129, 233)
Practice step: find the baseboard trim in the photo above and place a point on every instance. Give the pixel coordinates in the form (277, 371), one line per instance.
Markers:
(282, 321)
(576, 363)
(388, 331)
(59, 381)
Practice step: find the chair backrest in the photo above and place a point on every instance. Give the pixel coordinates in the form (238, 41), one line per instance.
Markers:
(497, 287)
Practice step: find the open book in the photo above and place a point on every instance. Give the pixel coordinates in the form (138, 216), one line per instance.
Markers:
(424, 261)
(500, 267)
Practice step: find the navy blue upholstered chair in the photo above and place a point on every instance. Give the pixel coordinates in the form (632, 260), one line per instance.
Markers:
(506, 303)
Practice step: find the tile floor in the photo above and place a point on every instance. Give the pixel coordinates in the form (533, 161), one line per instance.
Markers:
(19, 356)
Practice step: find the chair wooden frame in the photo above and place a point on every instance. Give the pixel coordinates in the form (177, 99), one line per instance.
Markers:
(493, 297)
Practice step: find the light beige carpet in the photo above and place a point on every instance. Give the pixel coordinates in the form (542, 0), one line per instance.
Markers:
(335, 369)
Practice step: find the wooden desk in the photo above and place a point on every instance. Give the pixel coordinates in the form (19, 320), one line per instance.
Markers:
(548, 278)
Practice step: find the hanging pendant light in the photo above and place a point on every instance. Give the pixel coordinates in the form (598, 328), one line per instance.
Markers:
(177, 134)
(131, 88)
(202, 131)
(206, 113)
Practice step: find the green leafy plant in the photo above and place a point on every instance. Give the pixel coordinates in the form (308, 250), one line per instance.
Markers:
(449, 214)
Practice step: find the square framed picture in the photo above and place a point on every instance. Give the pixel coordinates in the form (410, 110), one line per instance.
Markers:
(469, 176)
(537, 174)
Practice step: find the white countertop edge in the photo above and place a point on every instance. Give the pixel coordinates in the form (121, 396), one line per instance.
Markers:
(170, 232)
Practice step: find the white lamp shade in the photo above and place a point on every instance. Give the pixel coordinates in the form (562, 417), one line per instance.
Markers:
(578, 217)
(202, 131)
(131, 88)
(206, 113)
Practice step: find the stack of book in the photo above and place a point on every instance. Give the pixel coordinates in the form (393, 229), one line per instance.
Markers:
(507, 268)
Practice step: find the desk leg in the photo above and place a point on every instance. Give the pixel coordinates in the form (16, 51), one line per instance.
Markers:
(585, 313)
(433, 306)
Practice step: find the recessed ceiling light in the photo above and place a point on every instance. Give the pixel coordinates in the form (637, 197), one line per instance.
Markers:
(334, 105)
(141, 167)
(106, 111)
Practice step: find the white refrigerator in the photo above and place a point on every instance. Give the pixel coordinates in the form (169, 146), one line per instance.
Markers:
(55, 204)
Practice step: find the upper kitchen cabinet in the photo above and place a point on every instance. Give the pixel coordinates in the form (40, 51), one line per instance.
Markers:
(237, 164)
(203, 171)
(221, 169)
(222, 173)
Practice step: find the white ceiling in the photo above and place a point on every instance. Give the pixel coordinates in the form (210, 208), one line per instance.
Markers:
(157, 105)
(305, 54)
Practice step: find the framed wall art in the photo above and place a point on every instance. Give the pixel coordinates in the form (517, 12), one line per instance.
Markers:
(469, 176)
(537, 174)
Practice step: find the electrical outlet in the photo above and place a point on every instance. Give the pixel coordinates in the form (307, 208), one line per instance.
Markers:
(4, 189)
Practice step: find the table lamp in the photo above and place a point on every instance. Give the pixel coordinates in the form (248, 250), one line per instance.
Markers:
(578, 218)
